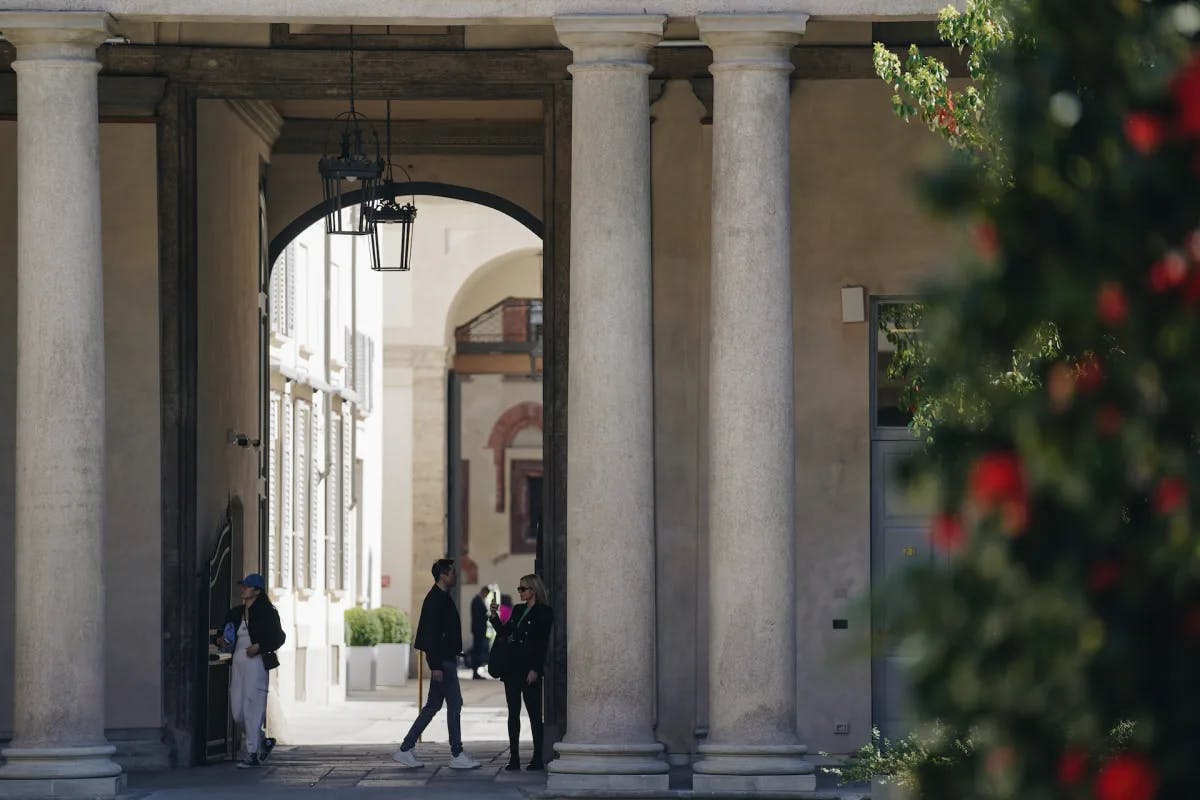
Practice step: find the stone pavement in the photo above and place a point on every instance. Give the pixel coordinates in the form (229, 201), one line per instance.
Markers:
(343, 750)
(336, 771)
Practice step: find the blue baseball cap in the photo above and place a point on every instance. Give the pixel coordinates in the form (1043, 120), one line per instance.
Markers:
(255, 581)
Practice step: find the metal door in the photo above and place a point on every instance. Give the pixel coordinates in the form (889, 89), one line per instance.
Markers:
(218, 722)
(899, 539)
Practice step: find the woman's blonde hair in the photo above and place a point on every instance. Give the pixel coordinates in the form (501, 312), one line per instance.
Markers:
(539, 588)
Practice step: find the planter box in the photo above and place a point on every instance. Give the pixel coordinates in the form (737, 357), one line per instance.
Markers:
(360, 669)
(391, 664)
(889, 791)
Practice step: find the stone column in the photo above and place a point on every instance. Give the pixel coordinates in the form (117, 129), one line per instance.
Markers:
(58, 746)
(752, 744)
(609, 742)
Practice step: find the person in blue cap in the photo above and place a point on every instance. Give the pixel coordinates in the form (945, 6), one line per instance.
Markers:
(257, 634)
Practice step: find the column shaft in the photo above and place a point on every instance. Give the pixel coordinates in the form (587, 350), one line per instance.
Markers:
(609, 743)
(58, 744)
(752, 743)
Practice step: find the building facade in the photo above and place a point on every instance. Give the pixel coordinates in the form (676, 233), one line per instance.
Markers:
(705, 176)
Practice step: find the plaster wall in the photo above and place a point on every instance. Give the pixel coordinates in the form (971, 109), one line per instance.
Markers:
(228, 155)
(681, 165)
(133, 521)
(855, 221)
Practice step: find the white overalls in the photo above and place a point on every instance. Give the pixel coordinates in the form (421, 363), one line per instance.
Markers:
(248, 692)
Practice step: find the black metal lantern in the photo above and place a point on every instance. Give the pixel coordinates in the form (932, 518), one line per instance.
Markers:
(350, 167)
(388, 209)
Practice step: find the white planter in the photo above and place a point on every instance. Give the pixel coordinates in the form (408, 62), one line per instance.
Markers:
(391, 664)
(360, 669)
(889, 791)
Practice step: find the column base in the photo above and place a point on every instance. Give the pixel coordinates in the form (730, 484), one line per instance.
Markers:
(77, 772)
(725, 768)
(608, 768)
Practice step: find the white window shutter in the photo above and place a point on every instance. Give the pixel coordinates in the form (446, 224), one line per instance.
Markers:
(301, 530)
(287, 481)
(273, 491)
(316, 524)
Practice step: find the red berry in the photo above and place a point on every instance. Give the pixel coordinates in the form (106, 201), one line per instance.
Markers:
(1127, 777)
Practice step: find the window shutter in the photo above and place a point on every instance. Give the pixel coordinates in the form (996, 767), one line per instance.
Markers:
(286, 480)
(273, 491)
(301, 541)
(333, 510)
(316, 524)
(290, 290)
(278, 292)
(347, 504)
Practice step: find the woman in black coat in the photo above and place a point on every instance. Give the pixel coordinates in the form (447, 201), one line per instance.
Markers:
(253, 632)
(528, 632)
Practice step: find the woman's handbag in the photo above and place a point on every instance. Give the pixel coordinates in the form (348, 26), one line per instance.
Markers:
(500, 657)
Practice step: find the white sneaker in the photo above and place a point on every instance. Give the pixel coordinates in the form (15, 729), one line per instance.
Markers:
(407, 758)
(463, 761)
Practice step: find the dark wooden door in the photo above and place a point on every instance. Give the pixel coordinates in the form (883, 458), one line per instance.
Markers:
(218, 722)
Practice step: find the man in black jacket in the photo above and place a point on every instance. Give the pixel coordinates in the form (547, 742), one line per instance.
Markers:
(439, 637)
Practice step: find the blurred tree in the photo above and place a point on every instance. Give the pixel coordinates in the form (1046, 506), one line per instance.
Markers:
(1067, 601)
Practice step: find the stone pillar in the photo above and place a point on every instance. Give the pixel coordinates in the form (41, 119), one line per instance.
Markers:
(58, 746)
(609, 742)
(752, 744)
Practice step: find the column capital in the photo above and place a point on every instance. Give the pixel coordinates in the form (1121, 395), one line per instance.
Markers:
(751, 41)
(610, 41)
(56, 36)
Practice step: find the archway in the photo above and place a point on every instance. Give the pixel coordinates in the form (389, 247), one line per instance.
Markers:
(432, 188)
(523, 220)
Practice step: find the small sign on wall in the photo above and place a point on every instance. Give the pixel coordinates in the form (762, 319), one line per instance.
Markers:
(385, 581)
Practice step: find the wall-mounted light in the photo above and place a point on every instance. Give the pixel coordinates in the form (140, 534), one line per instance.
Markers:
(854, 304)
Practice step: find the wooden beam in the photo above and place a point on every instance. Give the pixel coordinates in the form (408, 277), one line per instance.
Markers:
(123, 97)
(427, 137)
(267, 73)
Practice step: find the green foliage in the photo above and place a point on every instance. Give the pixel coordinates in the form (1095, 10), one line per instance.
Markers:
(901, 324)
(394, 625)
(362, 628)
(1066, 600)
(893, 761)
(936, 748)
(921, 83)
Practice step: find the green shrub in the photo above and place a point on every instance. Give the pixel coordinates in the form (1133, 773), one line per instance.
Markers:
(362, 628)
(396, 628)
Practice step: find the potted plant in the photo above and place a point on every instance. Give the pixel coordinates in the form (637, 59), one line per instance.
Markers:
(363, 633)
(391, 656)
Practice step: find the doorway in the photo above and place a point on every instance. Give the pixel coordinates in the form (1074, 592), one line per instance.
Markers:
(900, 536)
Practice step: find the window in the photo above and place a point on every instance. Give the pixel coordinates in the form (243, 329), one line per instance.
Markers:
(896, 334)
(525, 506)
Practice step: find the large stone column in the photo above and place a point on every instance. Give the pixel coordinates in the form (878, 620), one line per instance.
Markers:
(752, 743)
(58, 746)
(609, 742)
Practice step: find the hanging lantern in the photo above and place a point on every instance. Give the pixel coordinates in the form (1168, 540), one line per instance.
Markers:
(390, 210)
(352, 166)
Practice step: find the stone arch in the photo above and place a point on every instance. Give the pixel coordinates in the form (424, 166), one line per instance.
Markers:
(508, 425)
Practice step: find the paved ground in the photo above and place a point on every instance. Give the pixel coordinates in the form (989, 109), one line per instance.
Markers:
(344, 751)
